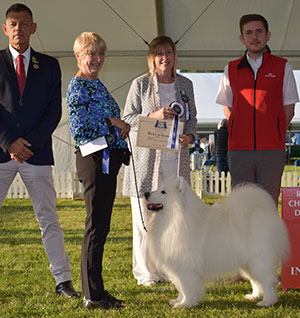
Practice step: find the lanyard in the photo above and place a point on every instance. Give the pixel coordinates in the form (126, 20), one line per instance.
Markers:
(183, 98)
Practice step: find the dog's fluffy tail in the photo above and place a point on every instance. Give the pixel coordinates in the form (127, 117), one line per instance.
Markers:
(263, 205)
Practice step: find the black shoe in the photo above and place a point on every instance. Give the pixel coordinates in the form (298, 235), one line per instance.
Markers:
(106, 303)
(94, 304)
(113, 300)
(66, 289)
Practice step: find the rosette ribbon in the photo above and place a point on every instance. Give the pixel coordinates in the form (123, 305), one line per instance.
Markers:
(173, 141)
(105, 161)
(186, 100)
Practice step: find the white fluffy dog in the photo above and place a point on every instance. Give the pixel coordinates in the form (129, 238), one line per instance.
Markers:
(192, 242)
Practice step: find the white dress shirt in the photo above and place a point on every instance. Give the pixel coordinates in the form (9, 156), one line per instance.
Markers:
(289, 90)
(26, 59)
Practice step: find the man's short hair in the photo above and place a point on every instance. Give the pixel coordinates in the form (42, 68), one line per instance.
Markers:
(18, 7)
(253, 17)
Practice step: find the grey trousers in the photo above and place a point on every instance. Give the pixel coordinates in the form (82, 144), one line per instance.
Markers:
(39, 183)
(264, 167)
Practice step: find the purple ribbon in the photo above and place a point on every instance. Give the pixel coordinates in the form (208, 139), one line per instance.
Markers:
(175, 131)
(105, 161)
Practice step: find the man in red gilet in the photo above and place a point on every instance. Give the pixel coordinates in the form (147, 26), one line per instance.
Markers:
(258, 93)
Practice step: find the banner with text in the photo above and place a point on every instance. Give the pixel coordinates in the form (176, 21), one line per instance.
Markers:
(290, 273)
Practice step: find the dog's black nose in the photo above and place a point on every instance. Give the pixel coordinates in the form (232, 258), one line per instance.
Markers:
(147, 194)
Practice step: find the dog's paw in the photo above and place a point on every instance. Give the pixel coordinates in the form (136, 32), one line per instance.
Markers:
(176, 300)
(172, 301)
(250, 297)
(186, 304)
(178, 304)
(265, 303)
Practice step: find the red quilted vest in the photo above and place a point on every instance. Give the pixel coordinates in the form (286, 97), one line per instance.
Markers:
(257, 120)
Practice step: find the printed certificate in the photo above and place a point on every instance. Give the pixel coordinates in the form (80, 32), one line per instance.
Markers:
(154, 133)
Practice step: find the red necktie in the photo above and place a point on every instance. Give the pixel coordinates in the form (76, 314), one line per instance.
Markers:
(20, 70)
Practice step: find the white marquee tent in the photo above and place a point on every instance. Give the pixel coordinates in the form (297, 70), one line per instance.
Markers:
(206, 32)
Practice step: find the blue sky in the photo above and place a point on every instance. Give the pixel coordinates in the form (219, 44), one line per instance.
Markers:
(206, 86)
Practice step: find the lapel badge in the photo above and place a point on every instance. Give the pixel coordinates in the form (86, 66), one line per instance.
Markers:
(35, 62)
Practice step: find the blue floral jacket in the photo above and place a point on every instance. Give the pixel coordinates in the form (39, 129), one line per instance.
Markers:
(89, 104)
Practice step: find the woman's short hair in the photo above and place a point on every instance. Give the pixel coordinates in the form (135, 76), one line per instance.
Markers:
(155, 45)
(87, 41)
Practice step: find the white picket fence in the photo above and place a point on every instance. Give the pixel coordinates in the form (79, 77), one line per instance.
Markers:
(67, 184)
(210, 183)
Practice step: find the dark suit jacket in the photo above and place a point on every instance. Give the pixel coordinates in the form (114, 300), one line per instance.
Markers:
(35, 116)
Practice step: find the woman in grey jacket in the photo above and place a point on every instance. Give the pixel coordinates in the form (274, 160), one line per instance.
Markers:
(151, 95)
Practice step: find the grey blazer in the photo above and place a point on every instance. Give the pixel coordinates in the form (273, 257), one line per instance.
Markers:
(147, 161)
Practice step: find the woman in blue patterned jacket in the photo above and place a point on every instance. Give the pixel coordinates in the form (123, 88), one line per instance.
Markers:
(99, 133)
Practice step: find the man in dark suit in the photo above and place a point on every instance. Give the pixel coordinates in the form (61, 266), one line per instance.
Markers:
(30, 110)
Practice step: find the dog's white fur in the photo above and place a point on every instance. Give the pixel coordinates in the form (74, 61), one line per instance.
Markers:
(192, 242)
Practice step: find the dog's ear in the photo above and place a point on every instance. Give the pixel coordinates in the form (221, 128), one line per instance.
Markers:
(180, 184)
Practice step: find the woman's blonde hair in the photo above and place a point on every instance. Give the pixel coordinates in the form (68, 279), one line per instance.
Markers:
(87, 41)
(155, 45)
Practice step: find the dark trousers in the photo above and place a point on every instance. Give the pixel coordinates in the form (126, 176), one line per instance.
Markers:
(222, 164)
(99, 196)
(264, 167)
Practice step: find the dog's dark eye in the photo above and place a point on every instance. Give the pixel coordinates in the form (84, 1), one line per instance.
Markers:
(163, 192)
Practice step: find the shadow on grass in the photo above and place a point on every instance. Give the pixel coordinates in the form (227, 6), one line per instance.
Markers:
(216, 298)
(117, 240)
(15, 208)
(227, 304)
(5, 296)
(64, 206)
(33, 236)
(78, 204)
(223, 304)
(122, 206)
(161, 294)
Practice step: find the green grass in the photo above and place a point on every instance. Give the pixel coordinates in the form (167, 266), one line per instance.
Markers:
(292, 168)
(27, 286)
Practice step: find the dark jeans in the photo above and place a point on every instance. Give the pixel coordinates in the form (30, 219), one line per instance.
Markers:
(99, 196)
(222, 164)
